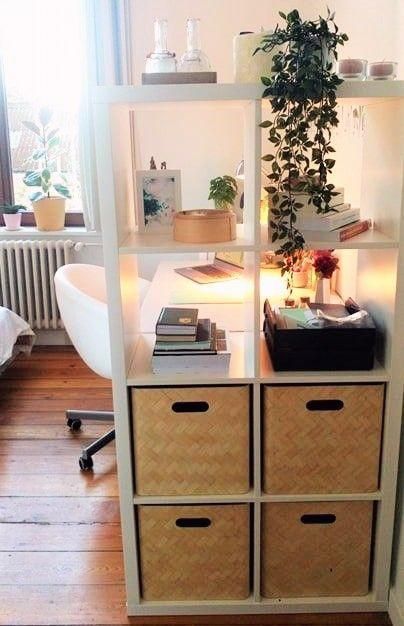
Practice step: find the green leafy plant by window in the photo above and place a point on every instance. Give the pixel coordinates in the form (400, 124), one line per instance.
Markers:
(223, 191)
(45, 176)
(12, 209)
(302, 92)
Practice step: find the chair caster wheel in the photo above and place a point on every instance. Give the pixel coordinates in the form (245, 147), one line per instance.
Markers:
(86, 463)
(74, 423)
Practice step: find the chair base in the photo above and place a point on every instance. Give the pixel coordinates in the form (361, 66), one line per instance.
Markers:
(74, 421)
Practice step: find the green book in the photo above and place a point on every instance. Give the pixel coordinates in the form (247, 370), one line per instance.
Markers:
(177, 321)
(203, 340)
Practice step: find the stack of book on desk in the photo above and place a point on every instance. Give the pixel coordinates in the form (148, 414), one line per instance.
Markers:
(340, 224)
(188, 345)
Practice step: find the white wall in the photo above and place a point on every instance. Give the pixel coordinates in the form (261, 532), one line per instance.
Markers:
(201, 142)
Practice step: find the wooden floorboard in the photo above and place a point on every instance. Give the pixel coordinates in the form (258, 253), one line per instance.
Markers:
(90, 510)
(60, 538)
(66, 464)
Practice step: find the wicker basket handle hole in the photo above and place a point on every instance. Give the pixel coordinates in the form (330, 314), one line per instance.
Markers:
(193, 522)
(324, 405)
(318, 518)
(190, 407)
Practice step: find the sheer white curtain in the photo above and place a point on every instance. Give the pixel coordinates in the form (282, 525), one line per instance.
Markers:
(107, 26)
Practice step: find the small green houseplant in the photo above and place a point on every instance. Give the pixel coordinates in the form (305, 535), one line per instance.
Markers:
(223, 191)
(50, 199)
(12, 215)
(302, 92)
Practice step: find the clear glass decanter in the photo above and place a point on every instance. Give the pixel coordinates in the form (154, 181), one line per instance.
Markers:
(161, 60)
(193, 60)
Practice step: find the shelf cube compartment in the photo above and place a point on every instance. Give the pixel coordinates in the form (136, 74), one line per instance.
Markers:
(322, 438)
(191, 440)
(316, 549)
(194, 552)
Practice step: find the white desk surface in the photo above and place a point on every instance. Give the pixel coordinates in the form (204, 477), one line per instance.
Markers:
(222, 302)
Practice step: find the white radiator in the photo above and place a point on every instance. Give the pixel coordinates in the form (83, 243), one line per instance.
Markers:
(26, 279)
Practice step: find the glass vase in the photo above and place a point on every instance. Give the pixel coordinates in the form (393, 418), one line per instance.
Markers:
(161, 60)
(323, 292)
(193, 60)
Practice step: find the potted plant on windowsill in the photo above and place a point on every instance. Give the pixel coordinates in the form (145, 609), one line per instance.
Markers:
(12, 215)
(49, 202)
(302, 91)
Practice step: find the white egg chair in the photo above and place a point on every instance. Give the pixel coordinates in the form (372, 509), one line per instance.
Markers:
(82, 300)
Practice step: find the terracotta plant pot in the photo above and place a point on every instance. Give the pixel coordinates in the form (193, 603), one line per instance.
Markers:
(50, 213)
(12, 221)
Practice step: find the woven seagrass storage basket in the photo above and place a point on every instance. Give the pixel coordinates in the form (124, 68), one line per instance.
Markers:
(191, 440)
(316, 549)
(322, 439)
(194, 552)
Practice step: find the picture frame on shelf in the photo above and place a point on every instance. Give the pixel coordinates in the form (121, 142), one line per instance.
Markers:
(158, 198)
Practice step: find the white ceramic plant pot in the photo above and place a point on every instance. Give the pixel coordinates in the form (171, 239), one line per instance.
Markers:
(300, 279)
(12, 221)
(50, 213)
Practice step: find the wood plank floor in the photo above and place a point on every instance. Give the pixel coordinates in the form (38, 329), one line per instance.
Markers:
(60, 540)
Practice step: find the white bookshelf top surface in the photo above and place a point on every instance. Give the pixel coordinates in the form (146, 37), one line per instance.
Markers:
(142, 94)
(164, 242)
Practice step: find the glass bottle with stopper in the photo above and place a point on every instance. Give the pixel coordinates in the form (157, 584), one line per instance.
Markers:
(161, 60)
(194, 59)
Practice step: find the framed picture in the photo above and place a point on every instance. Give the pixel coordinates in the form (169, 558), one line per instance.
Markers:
(158, 198)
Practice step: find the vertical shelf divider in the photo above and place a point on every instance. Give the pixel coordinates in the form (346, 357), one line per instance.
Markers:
(257, 553)
(119, 360)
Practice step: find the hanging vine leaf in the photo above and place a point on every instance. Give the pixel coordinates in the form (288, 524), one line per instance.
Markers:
(302, 92)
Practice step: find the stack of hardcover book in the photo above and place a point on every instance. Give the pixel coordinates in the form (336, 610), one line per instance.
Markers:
(185, 344)
(340, 224)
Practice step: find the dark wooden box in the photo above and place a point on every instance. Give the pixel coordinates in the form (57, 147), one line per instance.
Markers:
(331, 347)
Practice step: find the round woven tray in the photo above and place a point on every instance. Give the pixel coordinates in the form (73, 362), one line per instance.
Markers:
(204, 226)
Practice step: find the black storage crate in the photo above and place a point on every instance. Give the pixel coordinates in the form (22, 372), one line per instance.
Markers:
(331, 347)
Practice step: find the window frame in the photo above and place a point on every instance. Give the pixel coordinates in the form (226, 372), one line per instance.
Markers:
(72, 218)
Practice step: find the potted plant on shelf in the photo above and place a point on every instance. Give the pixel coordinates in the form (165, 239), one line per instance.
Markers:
(223, 191)
(12, 215)
(49, 209)
(297, 266)
(302, 91)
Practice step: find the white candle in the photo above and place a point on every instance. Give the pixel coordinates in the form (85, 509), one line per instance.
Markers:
(382, 70)
(249, 67)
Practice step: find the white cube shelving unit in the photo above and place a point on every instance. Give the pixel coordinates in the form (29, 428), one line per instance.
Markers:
(379, 287)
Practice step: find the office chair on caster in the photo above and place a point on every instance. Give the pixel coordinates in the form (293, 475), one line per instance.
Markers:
(82, 300)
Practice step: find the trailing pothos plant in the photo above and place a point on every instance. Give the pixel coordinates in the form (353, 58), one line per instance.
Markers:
(302, 92)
